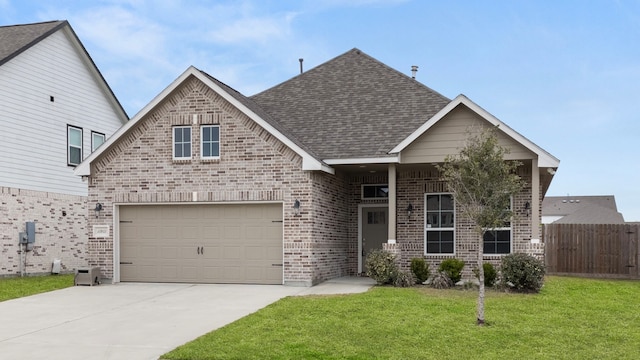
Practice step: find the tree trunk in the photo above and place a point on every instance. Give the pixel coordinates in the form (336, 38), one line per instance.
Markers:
(480, 311)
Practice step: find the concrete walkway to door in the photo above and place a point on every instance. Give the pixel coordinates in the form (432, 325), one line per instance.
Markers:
(134, 320)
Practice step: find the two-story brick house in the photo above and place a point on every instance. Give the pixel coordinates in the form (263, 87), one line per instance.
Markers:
(295, 184)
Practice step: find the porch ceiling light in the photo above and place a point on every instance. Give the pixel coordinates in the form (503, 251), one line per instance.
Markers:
(97, 209)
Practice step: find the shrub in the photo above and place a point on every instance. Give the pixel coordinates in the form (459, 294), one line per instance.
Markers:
(490, 274)
(453, 269)
(381, 266)
(522, 272)
(441, 281)
(404, 279)
(420, 269)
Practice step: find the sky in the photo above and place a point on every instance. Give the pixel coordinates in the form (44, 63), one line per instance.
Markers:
(565, 74)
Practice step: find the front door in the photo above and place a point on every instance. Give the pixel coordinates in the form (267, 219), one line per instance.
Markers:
(375, 222)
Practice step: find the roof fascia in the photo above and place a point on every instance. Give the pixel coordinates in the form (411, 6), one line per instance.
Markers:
(356, 161)
(308, 161)
(545, 159)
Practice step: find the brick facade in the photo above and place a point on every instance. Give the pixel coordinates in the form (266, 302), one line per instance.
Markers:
(61, 231)
(319, 243)
(254, 166)
(412, 185)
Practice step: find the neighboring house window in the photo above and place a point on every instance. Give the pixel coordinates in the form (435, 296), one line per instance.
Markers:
(182, 142)
(210, 141)
(440, 224)
(498, 240)
(375, 191)
(74, 145)
(97, 139)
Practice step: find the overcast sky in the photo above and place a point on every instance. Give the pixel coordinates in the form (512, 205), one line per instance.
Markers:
(565, 74)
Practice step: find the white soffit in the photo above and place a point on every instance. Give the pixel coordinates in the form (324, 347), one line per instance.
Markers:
(308, 161)
(356, 161)
(545, 159)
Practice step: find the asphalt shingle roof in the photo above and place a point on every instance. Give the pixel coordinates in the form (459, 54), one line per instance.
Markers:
(15, 39)
(582, 209)
(251, 105)
(352, 106)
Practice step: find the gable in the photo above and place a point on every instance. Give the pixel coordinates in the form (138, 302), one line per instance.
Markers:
(249, 155)
(233, 98)
(448, 136)
(544, 158)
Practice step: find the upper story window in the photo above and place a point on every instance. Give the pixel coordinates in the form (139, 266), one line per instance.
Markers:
(74, 145)
(439, 234)
(210, 141)
(182, 142)
(498, 240)
(375, 191)
(97, 139)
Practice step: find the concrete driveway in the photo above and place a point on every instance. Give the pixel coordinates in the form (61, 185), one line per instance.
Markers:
(134, 320)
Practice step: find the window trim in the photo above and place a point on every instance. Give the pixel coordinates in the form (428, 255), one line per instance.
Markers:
(452, 229)
(362, 197)
(104, 139)
(173, 142)
(69, 145)
(202, 156)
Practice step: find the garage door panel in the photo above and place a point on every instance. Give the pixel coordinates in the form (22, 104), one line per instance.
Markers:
(235, 243)
(232, 253)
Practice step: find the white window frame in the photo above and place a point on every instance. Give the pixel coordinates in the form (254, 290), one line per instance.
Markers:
(504, 228)
(95, 134)
(202, 143)
(173, 142)
(428, 229)
(75, 146)
(362, 197)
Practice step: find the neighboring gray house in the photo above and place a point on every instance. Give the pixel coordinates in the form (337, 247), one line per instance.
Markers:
(295, 184)
(581, 210)
(55, 109)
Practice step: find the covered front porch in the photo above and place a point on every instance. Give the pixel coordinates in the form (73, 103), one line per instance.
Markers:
(391, 207)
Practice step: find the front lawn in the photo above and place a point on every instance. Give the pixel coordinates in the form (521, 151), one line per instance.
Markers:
(571, 318)
(11, 288)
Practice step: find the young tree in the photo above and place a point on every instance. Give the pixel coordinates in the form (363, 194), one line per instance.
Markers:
(482, 184)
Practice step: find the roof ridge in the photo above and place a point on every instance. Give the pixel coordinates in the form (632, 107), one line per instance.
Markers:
(358, 52)
(36, 23)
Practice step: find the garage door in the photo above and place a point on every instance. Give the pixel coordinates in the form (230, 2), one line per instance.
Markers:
(201, 243)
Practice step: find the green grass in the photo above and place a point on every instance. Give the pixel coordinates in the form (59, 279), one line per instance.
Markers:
(12, 288)
(571, 318)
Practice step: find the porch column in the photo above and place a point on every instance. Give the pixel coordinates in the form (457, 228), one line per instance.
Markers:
(535, 201)
(392, 204)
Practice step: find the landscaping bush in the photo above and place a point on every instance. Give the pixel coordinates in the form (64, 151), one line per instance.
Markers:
(522, 272)
(441, 281)
(453, 269)
(420, 270)
(490, 274)
(404, 279)
(381, 266)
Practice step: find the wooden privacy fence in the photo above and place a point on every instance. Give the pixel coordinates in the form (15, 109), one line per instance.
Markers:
(595, 250)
